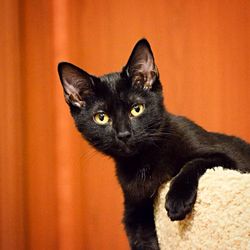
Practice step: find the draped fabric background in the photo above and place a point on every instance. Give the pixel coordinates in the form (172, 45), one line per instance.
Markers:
(55, 191)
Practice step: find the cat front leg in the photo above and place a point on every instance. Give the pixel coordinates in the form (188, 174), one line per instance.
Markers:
(182, 193)
(140, 226)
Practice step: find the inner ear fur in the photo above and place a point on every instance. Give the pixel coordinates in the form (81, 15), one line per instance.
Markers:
(77, 84)
(141, 66)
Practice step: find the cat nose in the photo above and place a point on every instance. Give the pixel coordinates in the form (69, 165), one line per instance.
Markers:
(124, 135)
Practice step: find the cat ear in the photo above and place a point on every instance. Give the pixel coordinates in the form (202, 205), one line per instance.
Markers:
(141, 68)
(77, 84)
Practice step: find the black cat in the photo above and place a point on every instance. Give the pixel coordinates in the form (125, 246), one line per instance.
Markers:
(122, 115)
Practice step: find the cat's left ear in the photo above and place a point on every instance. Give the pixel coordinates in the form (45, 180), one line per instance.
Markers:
(141, 68)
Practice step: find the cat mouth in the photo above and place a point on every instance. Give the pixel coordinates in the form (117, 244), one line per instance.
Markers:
(124, 149)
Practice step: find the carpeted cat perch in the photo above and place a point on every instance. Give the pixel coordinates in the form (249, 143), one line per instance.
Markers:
(220, 218)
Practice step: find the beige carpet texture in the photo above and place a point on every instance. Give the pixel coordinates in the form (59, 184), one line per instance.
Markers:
(220, 218)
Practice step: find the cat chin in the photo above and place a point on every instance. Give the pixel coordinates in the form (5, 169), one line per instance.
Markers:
(122, 150)
(123, 154)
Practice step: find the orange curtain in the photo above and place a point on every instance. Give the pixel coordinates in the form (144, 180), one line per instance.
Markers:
(58, 193)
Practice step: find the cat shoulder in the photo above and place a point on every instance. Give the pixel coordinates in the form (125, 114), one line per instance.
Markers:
(183, 123)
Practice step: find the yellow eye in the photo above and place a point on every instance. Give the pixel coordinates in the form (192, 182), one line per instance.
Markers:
(137, 110)
(101, 118)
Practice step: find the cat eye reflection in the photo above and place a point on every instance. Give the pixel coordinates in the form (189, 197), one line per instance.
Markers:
(101, 118)
(137, 110)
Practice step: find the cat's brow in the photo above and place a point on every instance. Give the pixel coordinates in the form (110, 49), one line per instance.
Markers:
(111, 80)
(99, 106)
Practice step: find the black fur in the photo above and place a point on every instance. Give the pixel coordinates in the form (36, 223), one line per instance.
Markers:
(151, 148)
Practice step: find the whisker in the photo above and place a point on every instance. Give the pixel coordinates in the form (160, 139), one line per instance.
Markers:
(88, 155)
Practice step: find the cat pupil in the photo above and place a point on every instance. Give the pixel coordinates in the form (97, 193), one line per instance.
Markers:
(137, 109)
(101, 117)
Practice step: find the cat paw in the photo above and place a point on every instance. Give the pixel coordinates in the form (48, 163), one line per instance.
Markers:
(177, 209)
(180, 200)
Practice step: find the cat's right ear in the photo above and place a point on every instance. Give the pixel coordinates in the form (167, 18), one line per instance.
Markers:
(77, 84)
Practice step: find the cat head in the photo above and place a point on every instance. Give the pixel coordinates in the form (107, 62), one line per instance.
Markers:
(118, 113)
